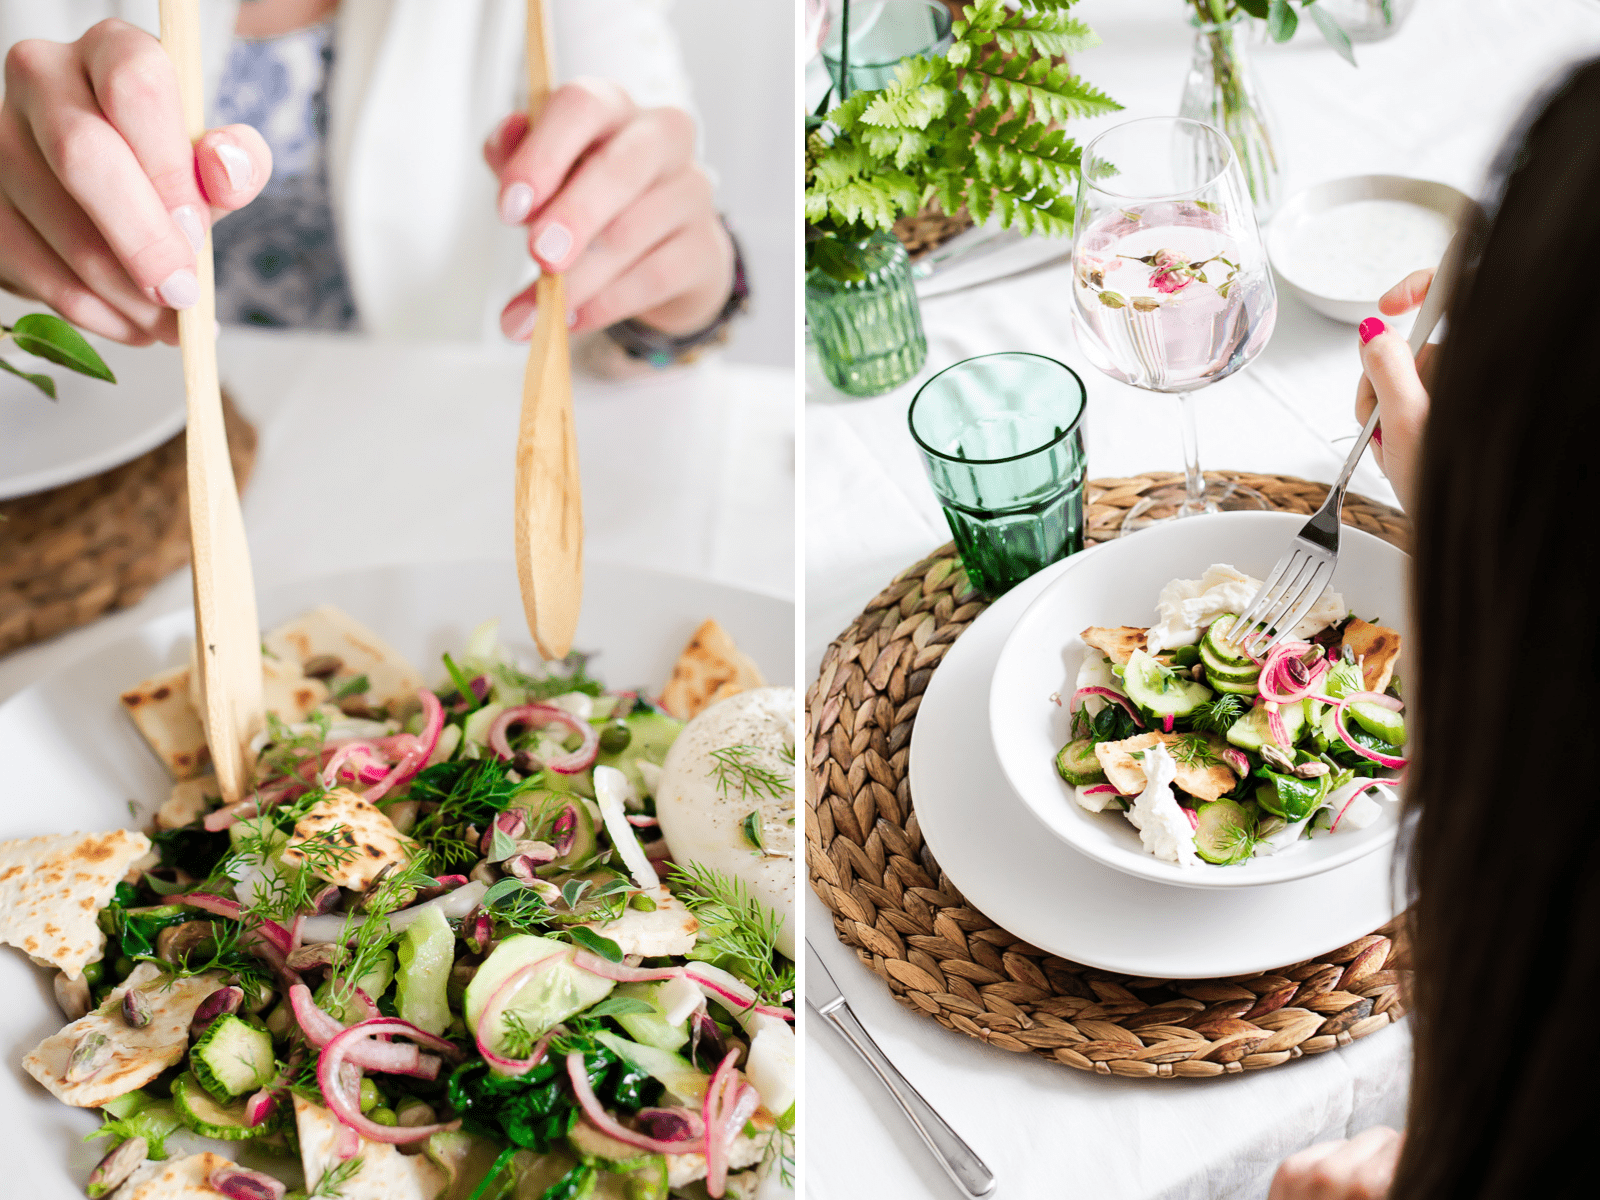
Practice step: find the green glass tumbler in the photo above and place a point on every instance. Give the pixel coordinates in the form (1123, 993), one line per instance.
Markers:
(1002, 439)
(863, 316)
(881, 35)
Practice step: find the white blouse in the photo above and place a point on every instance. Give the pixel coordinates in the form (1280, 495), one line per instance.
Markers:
(420, 85)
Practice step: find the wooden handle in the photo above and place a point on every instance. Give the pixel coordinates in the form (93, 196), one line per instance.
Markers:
(549, 503)
(227, 636)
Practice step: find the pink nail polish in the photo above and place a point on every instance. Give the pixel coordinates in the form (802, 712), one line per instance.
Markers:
(1377, 435)
(516, 204)
(518, 326)
(553, 244)
(1370, 328)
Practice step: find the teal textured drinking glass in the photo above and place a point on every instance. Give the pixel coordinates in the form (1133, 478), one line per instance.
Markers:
(867, 326)
(1002, 439)
(881, 34)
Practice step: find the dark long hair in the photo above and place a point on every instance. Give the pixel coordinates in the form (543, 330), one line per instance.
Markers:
(1503, 810)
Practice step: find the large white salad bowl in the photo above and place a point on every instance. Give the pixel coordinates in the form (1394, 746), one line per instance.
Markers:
(1117, 584)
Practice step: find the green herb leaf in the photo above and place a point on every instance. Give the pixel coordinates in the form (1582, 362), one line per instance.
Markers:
(502, 846)
(572, 891)
(51, 338)
(619, 1006)
(358, 686)
(1336, 37)
(736, 767)
(1281, 21)
(463, 684)
(1218, 715)
(752, 829)
(43, 382)
(583, 936)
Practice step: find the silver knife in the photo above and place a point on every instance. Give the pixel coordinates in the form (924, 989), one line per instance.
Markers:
(954, 1155)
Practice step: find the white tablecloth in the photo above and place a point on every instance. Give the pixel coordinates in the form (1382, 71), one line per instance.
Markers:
(376, 453)
(1433, 101)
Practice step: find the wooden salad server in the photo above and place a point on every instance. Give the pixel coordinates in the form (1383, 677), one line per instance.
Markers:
(549, 509)
(227, 636)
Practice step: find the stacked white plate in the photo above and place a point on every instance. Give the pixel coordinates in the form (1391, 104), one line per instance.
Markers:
(1009, 834)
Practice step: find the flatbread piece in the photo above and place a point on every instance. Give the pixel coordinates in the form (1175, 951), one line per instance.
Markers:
(161, 708)
(711, 668)
(345, 819)
(53, 887)
(384, 1174)
(1117, 644)
(329, 630)
(1206, 779)
(1377, 649)
(173, 1179)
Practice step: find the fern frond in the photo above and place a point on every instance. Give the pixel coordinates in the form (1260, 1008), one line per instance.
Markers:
(914, 99)
(1051, 91)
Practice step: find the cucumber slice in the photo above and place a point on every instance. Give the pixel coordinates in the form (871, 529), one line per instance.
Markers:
(427, 950)
(1239, 687)
(1380, 722)
(201, 1113)
(1251, 731)
(231, 1058)
(1222, 668)
(1225, 653)
(678, 1075)
(1078, 764)
(1159, 691)
(544, 807)
(551, 995)
(650, 736)
(651, 1028)
(1226, 833)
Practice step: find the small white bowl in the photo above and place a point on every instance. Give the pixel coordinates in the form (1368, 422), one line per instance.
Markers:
(1118, 584)
(1301, 209)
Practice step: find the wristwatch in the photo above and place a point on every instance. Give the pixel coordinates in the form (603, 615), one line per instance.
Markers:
(662, 350)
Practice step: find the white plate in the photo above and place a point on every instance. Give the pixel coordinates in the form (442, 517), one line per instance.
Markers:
(94, 426)
(993, 848)
(73, 760)
(1118, 585)
(1304, 207)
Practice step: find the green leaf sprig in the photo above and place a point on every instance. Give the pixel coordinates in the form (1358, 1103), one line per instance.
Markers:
(977, 126)
(47, 336)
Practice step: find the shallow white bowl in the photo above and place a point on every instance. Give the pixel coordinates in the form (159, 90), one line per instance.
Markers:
(1311, 203)
(74, 762)
(1118, 585)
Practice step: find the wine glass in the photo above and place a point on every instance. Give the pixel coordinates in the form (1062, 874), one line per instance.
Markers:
(1170, 290)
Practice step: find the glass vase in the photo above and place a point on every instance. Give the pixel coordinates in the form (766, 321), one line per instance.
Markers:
(1369, 20)
(1221, 91)
(864, 319)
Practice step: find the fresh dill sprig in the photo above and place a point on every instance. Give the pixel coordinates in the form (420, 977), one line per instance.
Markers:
(736, 766)
(467, 792)
(737, 931)
(1192, 750)
(778, 1154)
(335, 1179)
(286, 749)
(516, 1039)
(225, 955)
(1218, 716)
(372, 938)
(285, 890)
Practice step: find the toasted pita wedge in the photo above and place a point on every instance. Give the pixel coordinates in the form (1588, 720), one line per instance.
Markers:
(1206, 779)
(286, 693)
(327, 630)
(174, 1179)
(160, 707)
(190, 800)
(344, 818)
(1116, 644)
(385, 1173)
(132, 1057)
(711, 668)
(670, 929)
(1377, 649)
(53, 887)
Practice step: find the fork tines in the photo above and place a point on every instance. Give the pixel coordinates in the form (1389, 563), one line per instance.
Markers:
(1294, 586)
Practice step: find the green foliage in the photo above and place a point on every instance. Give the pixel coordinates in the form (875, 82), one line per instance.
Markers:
(1281, 18)
(737, 932)
(468, 792)
(1218, 715)
(47, 336)
(972, 127)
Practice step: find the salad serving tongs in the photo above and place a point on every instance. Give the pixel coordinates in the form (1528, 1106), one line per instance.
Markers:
(227, 636)
(549, 504)
(1300, 576)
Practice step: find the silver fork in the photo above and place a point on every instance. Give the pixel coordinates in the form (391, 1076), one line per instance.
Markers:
(1304, 571)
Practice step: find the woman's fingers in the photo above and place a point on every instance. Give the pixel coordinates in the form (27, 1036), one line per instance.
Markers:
(1361, 1168)
(35, 192)
(609, 178)
(1407, 294)
(234, 164)
(577, 115)
(136, 87)
(33, 270)
(665, 288)
(637, 230)
(98, 169)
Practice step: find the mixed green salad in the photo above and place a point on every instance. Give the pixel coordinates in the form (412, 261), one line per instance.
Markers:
(445, 941)
(1217, 756)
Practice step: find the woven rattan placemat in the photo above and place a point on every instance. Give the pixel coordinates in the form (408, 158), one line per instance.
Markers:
(69, 554)
(943, 958)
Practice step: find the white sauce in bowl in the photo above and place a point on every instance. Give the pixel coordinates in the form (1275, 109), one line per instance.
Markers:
(1358, 251)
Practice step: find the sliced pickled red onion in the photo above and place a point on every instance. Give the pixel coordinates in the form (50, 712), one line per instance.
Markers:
(596, 1115)
(540, 716)
(1105, 693)
(340, 1081)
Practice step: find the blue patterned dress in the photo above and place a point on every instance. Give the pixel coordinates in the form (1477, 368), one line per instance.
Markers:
(278, 259)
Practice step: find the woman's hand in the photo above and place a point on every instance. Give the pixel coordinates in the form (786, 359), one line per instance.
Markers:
(612, 196)
(1397, 385)
(103, 201)
(1358, 1169)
